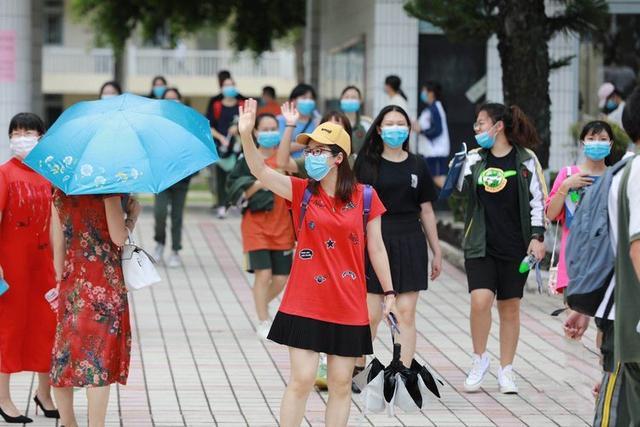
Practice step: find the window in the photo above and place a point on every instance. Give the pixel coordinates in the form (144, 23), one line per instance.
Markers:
(53, 21)
(53, 107)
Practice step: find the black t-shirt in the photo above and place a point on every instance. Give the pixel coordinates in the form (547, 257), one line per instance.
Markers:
(404, 186)
(498, 193)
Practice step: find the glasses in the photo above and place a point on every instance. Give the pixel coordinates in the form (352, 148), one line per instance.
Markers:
(477, 127)
(316, 152)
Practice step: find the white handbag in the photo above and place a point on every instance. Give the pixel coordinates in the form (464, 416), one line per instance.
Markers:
(138, 266)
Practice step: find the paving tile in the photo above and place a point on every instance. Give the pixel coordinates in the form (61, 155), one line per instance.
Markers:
(197, 362)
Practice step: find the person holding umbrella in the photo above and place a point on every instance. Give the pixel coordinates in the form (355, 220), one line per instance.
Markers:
(26, 265)
(324, 307)
(93, 338)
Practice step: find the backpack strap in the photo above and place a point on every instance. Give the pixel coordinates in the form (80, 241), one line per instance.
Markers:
(217, 110)
(306, 197)
(366, 209)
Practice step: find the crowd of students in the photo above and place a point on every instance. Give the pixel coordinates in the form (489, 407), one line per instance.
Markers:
(337, 212)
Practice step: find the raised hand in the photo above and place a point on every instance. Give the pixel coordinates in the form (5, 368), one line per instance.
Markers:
(247, 116)
(290, 113)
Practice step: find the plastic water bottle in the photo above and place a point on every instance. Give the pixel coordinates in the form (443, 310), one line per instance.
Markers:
(52, 298)
(527, 264)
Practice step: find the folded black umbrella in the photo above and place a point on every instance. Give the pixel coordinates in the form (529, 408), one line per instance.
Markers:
(396, 385)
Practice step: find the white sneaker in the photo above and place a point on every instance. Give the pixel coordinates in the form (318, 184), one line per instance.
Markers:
(221, 213)
(159, 253)
(507, 380)
(477, 374)
(174, 260)
(263, 329)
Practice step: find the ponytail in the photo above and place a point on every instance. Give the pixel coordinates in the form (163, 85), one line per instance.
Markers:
(401, 92)
(518, 128)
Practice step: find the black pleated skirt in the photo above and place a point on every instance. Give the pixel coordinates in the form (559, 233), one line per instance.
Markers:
(408, 253)
(321, 337)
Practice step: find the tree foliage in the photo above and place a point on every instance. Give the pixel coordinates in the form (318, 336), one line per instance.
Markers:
(254, 24)
(523, 29)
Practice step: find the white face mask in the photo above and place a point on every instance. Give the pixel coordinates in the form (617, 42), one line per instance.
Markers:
(21, 146)
(108, 96)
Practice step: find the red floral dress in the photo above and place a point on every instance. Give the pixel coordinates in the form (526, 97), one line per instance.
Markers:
(93, 337)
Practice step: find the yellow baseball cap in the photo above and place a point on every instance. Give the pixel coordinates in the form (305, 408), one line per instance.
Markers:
(327, 133)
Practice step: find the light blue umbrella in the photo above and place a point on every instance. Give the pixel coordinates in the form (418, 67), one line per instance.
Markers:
(125, 144)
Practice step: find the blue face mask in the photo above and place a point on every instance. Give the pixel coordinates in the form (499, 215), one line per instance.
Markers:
(158, 91)
(611, 105)
(229, 91)
(269, 139)
(394, 136)
(424, 97)
(306, 106)
(316, 166)
(349, 105)
(596, 150)
(485, 140)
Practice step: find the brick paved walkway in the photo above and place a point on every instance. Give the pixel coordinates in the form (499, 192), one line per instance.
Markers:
(197, 362)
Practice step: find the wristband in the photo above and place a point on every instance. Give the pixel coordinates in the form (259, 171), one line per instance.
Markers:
(392, 292)
(290, 126)
(538, 237)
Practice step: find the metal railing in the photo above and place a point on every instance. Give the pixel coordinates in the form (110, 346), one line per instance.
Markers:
(59, 60)
(169, 62)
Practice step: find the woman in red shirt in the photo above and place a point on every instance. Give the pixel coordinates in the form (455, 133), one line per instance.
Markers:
(27, 323)
(324, 308)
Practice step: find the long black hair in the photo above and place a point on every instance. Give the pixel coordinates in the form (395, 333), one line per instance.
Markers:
(394, 83)
(518, 128)
(368, 161)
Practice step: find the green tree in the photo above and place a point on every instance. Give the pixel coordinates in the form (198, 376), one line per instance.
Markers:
(254, 24)
(523, 29)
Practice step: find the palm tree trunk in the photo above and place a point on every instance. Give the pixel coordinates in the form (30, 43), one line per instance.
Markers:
(525, 65)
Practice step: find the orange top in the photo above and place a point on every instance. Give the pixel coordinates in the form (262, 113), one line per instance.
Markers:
(271, 107)
(272, 230)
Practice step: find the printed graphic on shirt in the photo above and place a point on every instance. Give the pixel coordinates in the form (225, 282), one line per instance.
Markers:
(312, 225)
(306, 254)
(414, 180)
(320, 279)
(318, 203)
(350, 274)
(495, 179)
(354, 238)
(348, 206)
(331, 244)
